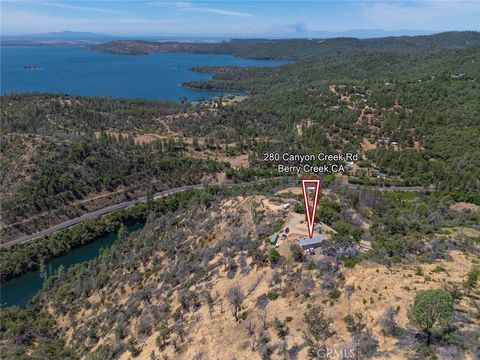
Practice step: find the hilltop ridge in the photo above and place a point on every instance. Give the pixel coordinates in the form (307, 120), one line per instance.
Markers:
(297, 49)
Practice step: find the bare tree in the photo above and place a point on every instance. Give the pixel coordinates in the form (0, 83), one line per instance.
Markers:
(257, 281)
(364, 343)
(387, 322)
(207, 296)
(264, 319)
(355, 324)
(282, 332)
(200, 355)
(235, 297)
(250, 327)
(163, 334)
(276, 278)
(251, 332)
(179, 330)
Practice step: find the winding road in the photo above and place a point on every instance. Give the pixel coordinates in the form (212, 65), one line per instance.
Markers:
(126, 204)
(114, 207)
(390, 188)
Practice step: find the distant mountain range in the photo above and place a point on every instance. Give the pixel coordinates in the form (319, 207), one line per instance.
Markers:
(74, 37)
(53, 38)
(366, 33)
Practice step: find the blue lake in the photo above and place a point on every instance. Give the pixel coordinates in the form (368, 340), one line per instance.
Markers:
(80, 71)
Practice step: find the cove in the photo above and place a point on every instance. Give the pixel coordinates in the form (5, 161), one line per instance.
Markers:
(78, 70)
(20, 290)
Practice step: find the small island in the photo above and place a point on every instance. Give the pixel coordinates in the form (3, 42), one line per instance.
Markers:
(32, 68)
(140, 47)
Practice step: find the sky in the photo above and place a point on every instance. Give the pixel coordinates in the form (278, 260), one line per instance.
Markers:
(235, 18)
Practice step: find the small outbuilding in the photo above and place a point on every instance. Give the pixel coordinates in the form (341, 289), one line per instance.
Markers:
(274, 239)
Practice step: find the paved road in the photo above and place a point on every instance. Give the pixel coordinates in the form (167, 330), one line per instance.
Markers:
(391, 188)
(125, 204)
(122, 205)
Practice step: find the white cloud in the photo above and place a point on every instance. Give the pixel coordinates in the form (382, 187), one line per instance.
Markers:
(201, 8)
(178, 17)
(26, 22)
(53, 4)
(171, 4)
(223, 12)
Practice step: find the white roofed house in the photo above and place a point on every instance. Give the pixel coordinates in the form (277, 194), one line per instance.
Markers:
(306, 243)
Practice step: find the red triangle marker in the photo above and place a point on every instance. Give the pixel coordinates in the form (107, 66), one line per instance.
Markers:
(309, 185)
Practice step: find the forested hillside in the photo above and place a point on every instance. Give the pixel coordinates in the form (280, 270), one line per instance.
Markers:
(346, 95)
(298, 49)
(202, 279)
(63, 157)
(424, 102)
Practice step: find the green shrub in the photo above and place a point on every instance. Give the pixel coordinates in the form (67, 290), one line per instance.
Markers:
(273, 295)
(274, 257)
(438, 269)
(335, 294)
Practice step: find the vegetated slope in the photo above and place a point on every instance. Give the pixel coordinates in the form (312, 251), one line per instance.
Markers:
(419, 99)
(21, 258)
(60, 160)
(52, 113)
(425, 103)
(297, 49)
(200, 280)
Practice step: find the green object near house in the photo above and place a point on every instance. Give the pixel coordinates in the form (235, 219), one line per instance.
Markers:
(273, 240)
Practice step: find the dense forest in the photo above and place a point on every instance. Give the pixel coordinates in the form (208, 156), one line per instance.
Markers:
(203, 267)
(297, 49)
(81, 153)
(426, 103)
(71, 162)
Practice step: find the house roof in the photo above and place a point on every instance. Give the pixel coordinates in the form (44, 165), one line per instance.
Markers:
(316, 239)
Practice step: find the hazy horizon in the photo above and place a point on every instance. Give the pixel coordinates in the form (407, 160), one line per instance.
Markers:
(238, 18)
(67, 36)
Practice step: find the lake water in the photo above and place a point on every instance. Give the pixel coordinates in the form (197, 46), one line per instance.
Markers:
(21, 289)
(80, 71)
